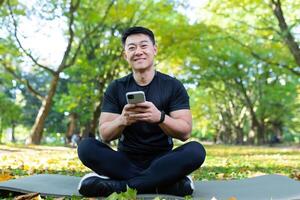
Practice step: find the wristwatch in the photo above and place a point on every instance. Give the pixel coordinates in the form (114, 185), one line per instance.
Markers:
(162, 117)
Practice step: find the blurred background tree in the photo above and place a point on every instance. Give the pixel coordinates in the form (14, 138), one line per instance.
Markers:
(238, 59)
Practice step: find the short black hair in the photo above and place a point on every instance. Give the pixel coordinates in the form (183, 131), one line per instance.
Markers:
(137, 30)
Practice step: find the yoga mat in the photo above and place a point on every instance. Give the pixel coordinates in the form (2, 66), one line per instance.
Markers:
(267, 187)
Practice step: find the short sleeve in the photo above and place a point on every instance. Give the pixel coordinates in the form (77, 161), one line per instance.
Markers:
(110, 99)
(180, 97)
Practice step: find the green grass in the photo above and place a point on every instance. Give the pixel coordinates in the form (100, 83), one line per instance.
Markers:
(236, 162)
(222, 162)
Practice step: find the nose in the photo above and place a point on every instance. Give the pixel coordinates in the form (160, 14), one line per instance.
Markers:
(138, 51)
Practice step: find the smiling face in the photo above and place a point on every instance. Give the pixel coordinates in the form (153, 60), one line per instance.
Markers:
(139, 51)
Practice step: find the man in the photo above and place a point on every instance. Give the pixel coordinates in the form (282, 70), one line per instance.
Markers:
(145, 160)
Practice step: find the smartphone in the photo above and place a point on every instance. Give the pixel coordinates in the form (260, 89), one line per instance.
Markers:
(135, 97)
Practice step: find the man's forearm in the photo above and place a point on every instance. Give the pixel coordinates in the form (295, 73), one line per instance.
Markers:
(176, 128)
(111, 130)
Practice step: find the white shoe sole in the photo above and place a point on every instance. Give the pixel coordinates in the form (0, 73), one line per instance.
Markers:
(92, 174)
(192, 182)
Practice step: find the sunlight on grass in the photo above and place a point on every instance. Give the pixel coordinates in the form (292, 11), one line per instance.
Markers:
(236, 162)
(222, 162)
(27, 160)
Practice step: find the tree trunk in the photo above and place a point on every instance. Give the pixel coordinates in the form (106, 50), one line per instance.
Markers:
(251, 137)
(87, 131)
(1, 129)
(239, 135)
(278, 129)
(285, 31)
(260, 133)
(220, 135)
(13, 139)
(91, 128)
(71, 127)
(227, 133)
(37, 129)
(95, 120)
(255, 123)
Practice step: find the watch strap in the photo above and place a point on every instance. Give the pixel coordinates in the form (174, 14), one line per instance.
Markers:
(162, 117)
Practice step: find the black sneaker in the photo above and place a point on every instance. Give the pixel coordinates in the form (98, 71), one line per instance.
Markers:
(181, 188)
(94, 185)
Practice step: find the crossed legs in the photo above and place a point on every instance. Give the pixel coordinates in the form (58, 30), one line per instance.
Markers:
(163, 170)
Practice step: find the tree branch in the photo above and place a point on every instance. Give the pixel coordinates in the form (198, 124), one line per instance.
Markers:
(20, 44)
(102, 20)
(268, 28)
(248, 101)
(73, 59)
(72, 10)
(257, 56)
(1, 2)
(285, 31)
(24, 81)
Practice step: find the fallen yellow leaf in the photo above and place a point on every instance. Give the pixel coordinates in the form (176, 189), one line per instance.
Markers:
(4, 176)
(221, 176)
(30, 196)
(232, 198)
(296, 174)
(26, 167)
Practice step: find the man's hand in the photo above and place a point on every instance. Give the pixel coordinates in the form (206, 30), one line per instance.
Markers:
(126, 117)
(146, 112)
(112, 124)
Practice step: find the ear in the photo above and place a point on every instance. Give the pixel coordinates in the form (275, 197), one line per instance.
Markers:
(155, 49)
(124, 55)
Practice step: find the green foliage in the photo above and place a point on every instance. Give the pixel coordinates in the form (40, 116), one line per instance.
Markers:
(10, 113)
(130, 194)
(241, 75)
(233, 59)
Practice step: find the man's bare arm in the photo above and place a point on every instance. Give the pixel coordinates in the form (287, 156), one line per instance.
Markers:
(178, 124)
(111, 125)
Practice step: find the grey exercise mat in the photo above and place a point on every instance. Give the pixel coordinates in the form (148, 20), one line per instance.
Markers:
(268, 187)
(45, 184)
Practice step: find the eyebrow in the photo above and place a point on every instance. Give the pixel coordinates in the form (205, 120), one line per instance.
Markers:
(138, 43)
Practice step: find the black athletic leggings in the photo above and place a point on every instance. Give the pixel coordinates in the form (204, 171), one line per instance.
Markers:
(141, 172)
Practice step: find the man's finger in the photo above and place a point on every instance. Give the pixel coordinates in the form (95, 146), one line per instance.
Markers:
(144, 104)
(139, 110)
(129, 106)
(139, 115)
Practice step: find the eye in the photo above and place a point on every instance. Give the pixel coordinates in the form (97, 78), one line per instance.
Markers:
(131, 48)
(144, 46)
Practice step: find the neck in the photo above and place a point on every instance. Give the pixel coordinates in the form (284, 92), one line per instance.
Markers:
(144, 77)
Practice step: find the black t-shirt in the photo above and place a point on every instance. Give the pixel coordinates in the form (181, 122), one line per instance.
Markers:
(165, 92)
